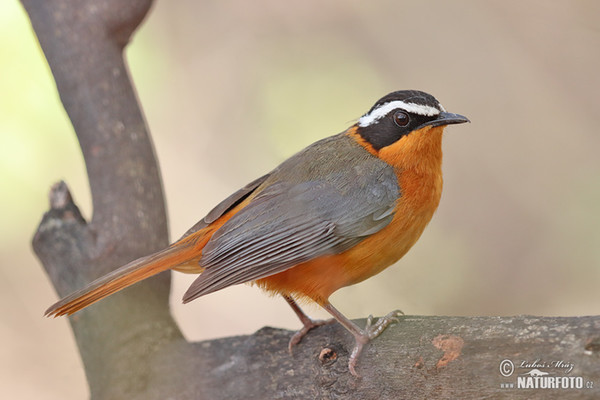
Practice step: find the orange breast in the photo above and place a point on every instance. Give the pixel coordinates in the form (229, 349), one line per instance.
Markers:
(417, 161)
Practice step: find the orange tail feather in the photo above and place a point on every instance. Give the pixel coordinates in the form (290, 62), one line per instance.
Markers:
(127, 275)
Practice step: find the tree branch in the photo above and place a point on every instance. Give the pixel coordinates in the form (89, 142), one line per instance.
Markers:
(83, 42)
(130, 345)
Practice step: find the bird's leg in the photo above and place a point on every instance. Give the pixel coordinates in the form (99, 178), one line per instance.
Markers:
(306, 321)
(362, 336)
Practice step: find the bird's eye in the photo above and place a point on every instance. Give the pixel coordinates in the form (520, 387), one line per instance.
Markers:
(401, 118)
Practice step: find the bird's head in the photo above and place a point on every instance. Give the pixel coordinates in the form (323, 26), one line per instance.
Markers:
(405, 126)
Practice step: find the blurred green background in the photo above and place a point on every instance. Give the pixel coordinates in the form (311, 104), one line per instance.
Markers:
(231, 88)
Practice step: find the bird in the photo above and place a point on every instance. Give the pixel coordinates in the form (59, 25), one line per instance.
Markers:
(334, 214)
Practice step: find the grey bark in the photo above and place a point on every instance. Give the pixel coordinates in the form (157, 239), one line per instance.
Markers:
(130, 345)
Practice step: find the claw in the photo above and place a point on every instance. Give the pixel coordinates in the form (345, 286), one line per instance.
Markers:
(362, 336)
(375, 330)
(308, 325)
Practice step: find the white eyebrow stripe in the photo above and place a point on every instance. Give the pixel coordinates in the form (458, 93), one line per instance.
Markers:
(385, 108)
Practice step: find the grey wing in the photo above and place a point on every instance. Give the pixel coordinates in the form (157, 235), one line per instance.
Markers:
(287, 224)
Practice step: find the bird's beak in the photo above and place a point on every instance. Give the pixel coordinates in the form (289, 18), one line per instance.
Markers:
(446, 118)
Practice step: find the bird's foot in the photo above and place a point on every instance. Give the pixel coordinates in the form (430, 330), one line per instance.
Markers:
(374, 330)
(370, 332)
(308, 325)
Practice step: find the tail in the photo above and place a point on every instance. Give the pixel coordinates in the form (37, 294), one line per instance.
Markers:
(127, 275)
